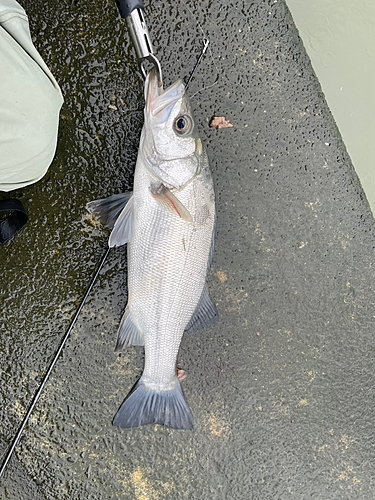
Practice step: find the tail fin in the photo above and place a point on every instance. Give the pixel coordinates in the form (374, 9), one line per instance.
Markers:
(145, 405)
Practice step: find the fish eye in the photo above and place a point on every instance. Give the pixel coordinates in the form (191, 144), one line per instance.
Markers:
(183, 125)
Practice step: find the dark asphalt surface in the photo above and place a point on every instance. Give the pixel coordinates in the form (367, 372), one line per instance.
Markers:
(282, 388)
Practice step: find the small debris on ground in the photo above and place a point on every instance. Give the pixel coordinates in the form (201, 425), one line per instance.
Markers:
(181, 373)
(220, 122)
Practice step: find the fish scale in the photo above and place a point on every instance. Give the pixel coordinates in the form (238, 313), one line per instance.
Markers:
(163, 313)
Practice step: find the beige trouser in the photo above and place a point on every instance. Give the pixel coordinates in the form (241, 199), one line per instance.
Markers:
(30, 102)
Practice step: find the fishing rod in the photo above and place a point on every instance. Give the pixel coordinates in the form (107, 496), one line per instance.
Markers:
(143, 54)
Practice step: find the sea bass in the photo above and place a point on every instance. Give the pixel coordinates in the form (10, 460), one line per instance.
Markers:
(168, 223)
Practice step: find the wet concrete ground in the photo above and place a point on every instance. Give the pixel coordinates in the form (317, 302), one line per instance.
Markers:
(281, 389)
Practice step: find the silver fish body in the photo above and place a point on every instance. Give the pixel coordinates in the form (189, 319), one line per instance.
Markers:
(168, 223)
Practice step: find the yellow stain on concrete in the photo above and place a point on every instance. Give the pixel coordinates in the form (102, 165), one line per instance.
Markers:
(20, 410)
(141, 485)
(146, 488)
(257, 230)
(222, 276)
(313, 204)
(348, 476)
(302, 403)
(345, 442)
(218, 427)
(322, 448)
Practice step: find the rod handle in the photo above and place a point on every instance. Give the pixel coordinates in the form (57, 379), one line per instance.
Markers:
(126, 7)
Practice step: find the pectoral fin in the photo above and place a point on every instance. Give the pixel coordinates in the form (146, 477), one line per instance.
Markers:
(123, 229)
(171, 202)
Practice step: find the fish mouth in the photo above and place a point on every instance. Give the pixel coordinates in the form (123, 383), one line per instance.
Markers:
(157, 99)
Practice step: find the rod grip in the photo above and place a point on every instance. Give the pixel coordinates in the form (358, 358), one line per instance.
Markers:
(126, 7)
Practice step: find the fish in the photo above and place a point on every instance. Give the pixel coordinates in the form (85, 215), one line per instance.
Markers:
(168, 224)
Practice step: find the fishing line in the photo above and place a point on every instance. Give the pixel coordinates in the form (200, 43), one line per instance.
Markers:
(205, 38)
(205, 46)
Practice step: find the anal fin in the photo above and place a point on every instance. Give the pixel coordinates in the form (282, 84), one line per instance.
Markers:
(128, 332)
(205, 313)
